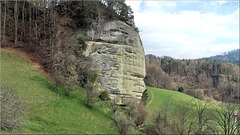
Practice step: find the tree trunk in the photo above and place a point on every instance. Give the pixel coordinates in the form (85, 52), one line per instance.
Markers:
(53, 31)
(36, 26)
(4, 22)
(16, 22)
(30, 21)
(23, 18)
(68, 91)
(56, 86)
(44, 18)
(1, 24)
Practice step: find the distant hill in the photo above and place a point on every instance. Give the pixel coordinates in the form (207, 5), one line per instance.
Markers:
(150, 56)
(231, 57)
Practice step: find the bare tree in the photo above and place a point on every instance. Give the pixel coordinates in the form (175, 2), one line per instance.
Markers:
(202, 116)
(1, 23)
(160, 123)
(30, 20)
(121, 120)
(58, 69)
(226, 119)
(142, 114)
(4, 20)
(16, 21)
(91, 93)
(184, 118)
(23, 19)
(11, 107)
(70, 73)
(132, 109)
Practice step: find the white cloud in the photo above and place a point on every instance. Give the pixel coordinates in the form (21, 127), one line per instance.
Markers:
(187, 34)
(135, 4)
(196, 51)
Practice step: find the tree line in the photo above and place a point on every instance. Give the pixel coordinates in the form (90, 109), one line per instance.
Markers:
(231, 57)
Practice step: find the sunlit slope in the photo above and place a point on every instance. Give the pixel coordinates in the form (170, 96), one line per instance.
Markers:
(47, 111)
(172, 98)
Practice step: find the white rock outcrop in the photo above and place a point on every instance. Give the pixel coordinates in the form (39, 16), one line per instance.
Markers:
(117, 51)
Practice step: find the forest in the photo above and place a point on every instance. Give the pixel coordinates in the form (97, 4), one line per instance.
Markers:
(204, 79)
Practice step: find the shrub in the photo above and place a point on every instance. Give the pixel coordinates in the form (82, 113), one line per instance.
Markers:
(11, 108)
(199, 94)
(123, 123)
(180, 89)
(159, 124)
(142, 114)
(131, 109)
(121, 119)
(104, 95)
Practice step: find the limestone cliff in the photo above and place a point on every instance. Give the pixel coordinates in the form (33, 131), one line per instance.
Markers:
(117, 51)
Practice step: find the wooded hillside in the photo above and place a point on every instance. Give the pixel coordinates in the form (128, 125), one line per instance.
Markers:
(203, 79)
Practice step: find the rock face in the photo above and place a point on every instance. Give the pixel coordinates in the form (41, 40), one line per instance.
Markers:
(118, 53)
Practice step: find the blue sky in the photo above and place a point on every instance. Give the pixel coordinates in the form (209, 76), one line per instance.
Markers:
(187, 29)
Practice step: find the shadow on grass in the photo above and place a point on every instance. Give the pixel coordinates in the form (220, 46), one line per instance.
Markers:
(48, 85)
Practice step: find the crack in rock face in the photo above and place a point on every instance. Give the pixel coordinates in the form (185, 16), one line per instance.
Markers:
(118, 53)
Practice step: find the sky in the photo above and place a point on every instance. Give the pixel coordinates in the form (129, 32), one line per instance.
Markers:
(187, 29)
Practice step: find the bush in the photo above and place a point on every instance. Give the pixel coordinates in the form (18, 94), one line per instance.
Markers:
(142, 114)
(104, 95)
(123, 123)
(11, 108)
(159, 124)
(82, 42)
(131, 109)
(181, 89)
(199, 94)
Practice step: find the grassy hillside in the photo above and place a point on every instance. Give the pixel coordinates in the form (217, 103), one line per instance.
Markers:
(48, 111)
(173, 98)
(161, 97)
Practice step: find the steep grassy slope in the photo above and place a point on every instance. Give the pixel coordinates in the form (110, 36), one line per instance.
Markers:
(48, 111)
(173, 98)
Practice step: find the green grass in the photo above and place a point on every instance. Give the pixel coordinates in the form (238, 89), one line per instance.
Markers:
(149, 96)
(47, 111)
(172, 98)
